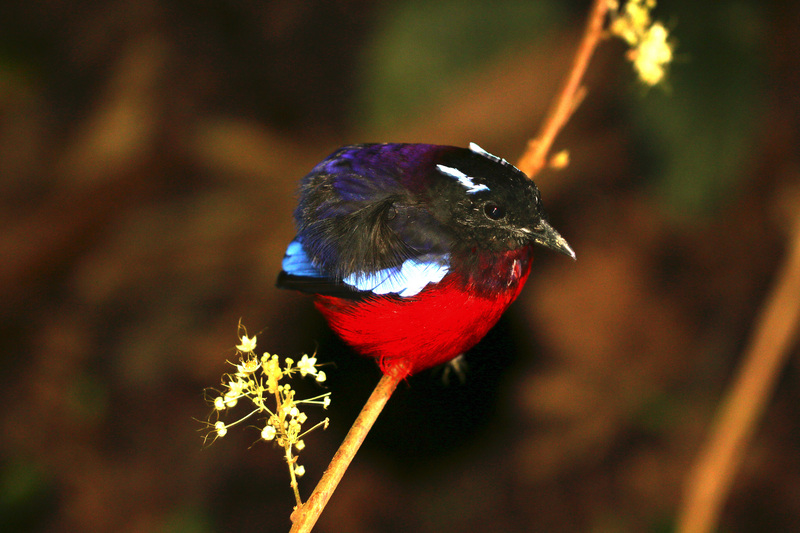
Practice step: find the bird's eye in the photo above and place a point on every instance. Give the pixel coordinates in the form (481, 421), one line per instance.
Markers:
(494, 211)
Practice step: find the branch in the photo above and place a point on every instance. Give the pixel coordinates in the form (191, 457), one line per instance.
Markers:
(570, 97)
(709, 481)
(306, 516)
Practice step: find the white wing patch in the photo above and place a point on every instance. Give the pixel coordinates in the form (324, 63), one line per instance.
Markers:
(480, 151)
(406, 280)
(462, 178)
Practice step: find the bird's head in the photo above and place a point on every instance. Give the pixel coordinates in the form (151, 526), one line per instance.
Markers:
(487, 203)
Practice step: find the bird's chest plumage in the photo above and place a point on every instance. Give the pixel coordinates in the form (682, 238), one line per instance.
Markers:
(441, 322)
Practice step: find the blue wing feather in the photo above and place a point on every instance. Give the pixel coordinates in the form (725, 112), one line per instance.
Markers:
(296, 262)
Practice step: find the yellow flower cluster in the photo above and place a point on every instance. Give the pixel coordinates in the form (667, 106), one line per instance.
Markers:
(650, 52)
(257, 381)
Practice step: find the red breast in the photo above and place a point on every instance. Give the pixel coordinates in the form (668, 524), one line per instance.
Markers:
(444, 320)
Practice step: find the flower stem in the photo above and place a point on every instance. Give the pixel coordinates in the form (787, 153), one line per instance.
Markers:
(305, 516)
(291, 460)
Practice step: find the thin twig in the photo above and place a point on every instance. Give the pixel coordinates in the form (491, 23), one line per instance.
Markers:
(306, 516)
(709, 481)
(534, 158)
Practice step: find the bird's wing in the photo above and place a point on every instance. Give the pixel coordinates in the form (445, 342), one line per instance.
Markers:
(362, 229)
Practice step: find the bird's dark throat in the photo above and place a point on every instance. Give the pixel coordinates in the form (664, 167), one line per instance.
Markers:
(488, 272)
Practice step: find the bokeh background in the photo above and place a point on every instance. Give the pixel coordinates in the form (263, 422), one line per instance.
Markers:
(149, 154)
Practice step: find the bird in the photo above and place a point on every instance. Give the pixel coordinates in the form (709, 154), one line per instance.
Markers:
(414, 251)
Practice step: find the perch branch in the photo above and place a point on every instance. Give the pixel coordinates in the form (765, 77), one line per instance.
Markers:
(306, 516)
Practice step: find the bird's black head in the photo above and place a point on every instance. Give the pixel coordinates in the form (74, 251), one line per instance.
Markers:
(487, 203)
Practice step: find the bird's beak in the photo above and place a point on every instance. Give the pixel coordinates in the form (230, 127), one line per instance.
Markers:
(544, 234)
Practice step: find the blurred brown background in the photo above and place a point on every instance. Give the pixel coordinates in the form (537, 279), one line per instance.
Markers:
(149, 152)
